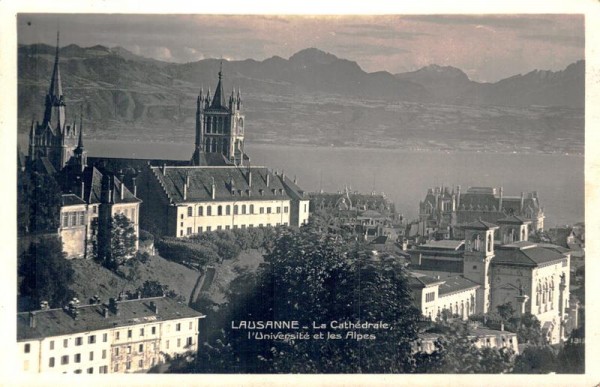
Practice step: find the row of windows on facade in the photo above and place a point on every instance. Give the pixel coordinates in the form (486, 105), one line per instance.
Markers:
(91, 339)
(226, 210)
(64, 360)
(190, 230)
(465, 309)
(77, 218)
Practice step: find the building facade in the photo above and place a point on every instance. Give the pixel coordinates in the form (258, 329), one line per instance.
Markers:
(185, 201)
(116, 337)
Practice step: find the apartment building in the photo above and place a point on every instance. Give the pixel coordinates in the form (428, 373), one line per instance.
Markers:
(115, 337)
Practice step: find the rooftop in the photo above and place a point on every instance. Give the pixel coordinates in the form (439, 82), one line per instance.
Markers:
(445, 244)
(455, 284)
(230, 183)
(479, 225)
(526, 254)
(57, 322)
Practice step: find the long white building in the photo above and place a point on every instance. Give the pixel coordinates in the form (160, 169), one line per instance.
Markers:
(117, 337)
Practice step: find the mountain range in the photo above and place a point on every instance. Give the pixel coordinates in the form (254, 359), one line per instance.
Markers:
(118, 89)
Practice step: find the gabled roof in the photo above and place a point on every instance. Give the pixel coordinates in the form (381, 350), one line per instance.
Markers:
(479, 225)
(527, 255)
(293, 189)
(92, 178)
(57, 322)
(231, 183)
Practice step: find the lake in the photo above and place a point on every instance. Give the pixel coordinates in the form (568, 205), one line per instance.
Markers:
(403, 175)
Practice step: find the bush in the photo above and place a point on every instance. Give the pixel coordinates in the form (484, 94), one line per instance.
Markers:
(186, 252)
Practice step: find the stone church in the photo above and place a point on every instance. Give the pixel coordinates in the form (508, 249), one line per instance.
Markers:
(90, 196)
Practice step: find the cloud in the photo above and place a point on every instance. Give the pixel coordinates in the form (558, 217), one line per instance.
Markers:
(378, 31)
(498, 21)
(565, 40)
(368, 50)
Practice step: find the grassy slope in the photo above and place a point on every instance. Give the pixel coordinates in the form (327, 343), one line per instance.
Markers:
(92, 279)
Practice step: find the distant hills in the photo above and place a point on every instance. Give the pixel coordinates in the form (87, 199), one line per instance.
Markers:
(118, 89)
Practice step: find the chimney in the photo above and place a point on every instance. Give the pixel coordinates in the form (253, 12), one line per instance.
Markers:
(457, 196)
(295, 180)
(113, 306)
(249, 178)
(105, 312)
(501, 199)
(502, 326)
(164, 168)
(213, 189)
(31, 320)
(185, 191)
(122, 188)
(44, 305)
(133, 182)
(268, 178)
(82, 190)
(522, 200)
(154, 307)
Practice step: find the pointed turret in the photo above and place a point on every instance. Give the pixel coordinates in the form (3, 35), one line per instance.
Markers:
(239, 99)
(219, 98)
(208, 98)
(80, 153)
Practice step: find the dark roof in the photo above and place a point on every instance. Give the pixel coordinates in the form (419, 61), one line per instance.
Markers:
(44, 165)
(293, 189)
(213, 159)
(479, 225)
(226, 180)
(93, 188)
(455, 284)
(526, 254)
(513, 219)
(417, 280)
(380, 240)
(56, 322)
(71, 200)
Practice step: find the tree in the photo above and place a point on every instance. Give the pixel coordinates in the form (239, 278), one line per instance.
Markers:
(312, 277)
(121, 244)
(571, 358)
(39, 201)
(46, 273)
(455, 352)
(536, 360)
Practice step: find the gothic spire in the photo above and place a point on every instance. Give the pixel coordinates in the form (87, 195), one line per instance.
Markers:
(55, 104)
(219, 98)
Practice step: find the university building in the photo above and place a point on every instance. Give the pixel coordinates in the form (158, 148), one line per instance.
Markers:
(534, 278)
(115, 337)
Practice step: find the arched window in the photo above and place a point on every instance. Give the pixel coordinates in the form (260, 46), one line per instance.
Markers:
(228, 210)
(251, 210)
(235, 209)
(243, 208)
(200, 211)
(208, 210)
(220, 210)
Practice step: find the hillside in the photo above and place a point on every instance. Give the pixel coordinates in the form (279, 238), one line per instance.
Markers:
(311, 98)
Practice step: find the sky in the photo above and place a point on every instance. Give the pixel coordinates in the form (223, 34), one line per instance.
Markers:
(486, 47)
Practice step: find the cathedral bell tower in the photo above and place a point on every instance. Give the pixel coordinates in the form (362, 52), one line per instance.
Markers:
(479, 251)
(219, 127)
